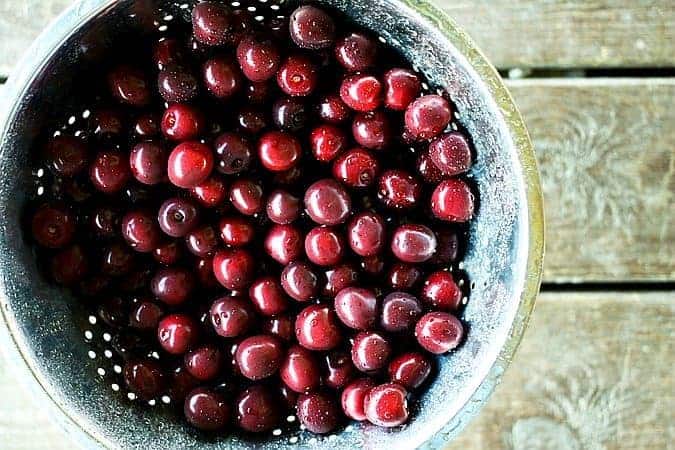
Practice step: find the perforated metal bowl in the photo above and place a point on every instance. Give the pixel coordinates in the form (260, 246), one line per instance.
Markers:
(504, 259)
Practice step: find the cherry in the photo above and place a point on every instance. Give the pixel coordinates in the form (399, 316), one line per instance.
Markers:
(327, 202)
(450, 153)
(181, 384)
(372, 130)
(366, 233)
(318, 412)
(213, 23)
(284, 243)
(279, 151)
(105, 222)
(147, 126)
(427, 117)
(338, 278)
(312, 28)
(357, 308)
(113, 312)
(53, 226)
(211, 192)
(399, 189)
(361, 92)
(252, 120)
(439, 332)
(441, 292)
(172, 285)
(338, 369)
(258, 59)
(356, 168)
(373, 265)
(206, 409)
(298, 76)
(283, 208)
(177, 216)
(182, 122)
(327, 141)
(177, 333)
(66, 155)
(204, 363)
(428, 170)
(258, 92)
(117, 260)
(246, 196)
(290, 114)
(453, 201)
(144, 378)
(370, 351)
(167, 52)
(332, 109)
(300, 370)
(356, 52)
(401, 88)
(129, 85)
(140, 230)
(231, 316)
(400, 312)
(203, 268)
(222, 77)
(234, 269)
(145, 315)
(299, 281)
(236, 231)
(107, 123)
(233, 153)
(316, 328)
(386, 405)
(413, 243)
(257, 409)
(109, 171)
(147, 161)
(404, 277)
(353, 397)
(202, 241)
(410, 370)
(259, 356)
(190, 163)
(324, 246)
(280, 326)
(268, 296)
(177, 84)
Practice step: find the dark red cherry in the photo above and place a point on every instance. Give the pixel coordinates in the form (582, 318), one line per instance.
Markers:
(204, 363)
(361, 92)
(177, 84)
(300, 281)
(356, 308)
(453, 201)
(410, 370)
(259, 356)
(148, 163)
(338, 369)
(258, 59)
(268, 297)
(236, 231)
(386, 405)
(106, 222)
(147, 126)
(167, 253)
(258, 92)
(428, 170)
(327, 141)
(413, 243)
(145, 315)
(144, 378)
(178, 216)
(246, 196)
(140, 230)
(448, 247)
(107, 123)
(172, 285)
(300, 370)
(324, 246)
(404, 277)
(439, 332)
(290, 114)
(69, 265)
(399, 189)
(213, 23)
(280, 326)
(113, 311)
(167, 52)
(373, 265)
(327, 202)
(372, 130)
(222, 77)
(117, 260)
(370, 351)
(284, 243)
(451, 153)
(318, 412)
(356, 52)
(211, 193)
(202, 241)
(338, 278)
(441, 292)
(53, 226)
(231, 316)
(109, 171)
(66, 155)
(283, 208)
(233, 153)
(312, 28)
(180, 384)
(203, 268)
(317, 328)
(353, 397)
(298, 76)
(366, 233)
(206, 409)
(182, 122)
(177, 333)
(129, 85)
(190, 164)
(257, 409)
(251, 120)
(402, 87)
(279, 151)
(332, 109)
(427, 117)
(400, 312)
(234, 269)
(356, 168)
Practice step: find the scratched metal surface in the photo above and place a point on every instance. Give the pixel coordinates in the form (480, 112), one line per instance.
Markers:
(503, 260)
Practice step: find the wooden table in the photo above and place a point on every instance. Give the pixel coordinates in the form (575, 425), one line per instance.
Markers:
(595, 80)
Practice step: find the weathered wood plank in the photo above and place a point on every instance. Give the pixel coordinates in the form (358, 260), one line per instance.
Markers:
(513, 33)
(594, 371)
(606, 149)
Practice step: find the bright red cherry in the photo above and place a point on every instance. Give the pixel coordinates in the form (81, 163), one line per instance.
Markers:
(332, 109)
(317, 328)
(400, 312)
(234, 269)
(283, 208)
(109, 171)
(140, 230)
(410, 370)
(182, 122)
(147, 161)
(324, 246)
(284, 243)
(357, 308)
(222, 77)
(413, 243)
(236, 231)
(370, 351)
(213, 23)
(356, 168)
(258, 59)
(279, 151)
(298, 76)
(356, 52)
(366, 233)
(177, 333)
(231, 316)
(246, 196)
(361, 92)
(259, 356)
(427, 117)
(372, 130)
(451, 153)
(386, 405)
(399, 189)
(318, 412)
(300, 370)
(353, 397)
(453, 201)
(427, 169)
(439, 332)
(401, 88)
(327, 141)
(53, 226)
(190, 164)
(312, 28)
(268, 296)
(211, 192)
(300, 281)
(327, 202)
(441, 292)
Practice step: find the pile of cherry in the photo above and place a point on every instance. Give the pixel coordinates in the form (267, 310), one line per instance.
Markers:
(298, 265)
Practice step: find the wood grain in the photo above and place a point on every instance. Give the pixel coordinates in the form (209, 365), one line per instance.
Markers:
(606, 149)
(593, 372)
(513, 33)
